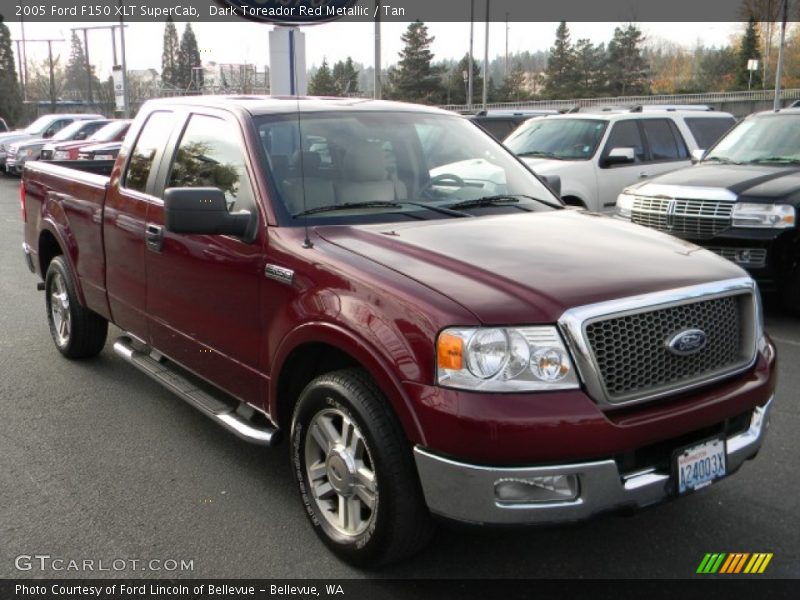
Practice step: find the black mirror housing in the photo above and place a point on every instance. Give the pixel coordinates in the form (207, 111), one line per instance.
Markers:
(203, 211)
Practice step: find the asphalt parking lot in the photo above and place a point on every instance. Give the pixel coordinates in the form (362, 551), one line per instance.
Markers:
(99, 462)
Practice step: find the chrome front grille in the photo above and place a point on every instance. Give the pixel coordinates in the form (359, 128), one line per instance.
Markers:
(622, 347)
(689, 218)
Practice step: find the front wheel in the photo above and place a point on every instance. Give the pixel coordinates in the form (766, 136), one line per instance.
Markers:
(77, 331)
(355, 471)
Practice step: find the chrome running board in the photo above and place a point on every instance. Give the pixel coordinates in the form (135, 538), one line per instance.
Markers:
(222, 412)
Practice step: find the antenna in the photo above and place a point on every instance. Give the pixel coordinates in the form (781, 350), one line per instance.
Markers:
(293, 76)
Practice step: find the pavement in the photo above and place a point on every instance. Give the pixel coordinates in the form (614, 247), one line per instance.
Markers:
(100, 463)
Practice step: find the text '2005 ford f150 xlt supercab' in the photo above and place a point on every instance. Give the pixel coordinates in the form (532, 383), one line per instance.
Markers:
(430, 343)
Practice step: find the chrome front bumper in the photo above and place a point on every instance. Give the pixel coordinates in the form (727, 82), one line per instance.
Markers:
(467, 492)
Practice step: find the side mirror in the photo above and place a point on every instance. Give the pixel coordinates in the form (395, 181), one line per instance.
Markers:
(697, 155)
(554, 183)
(203, 211)
(621, 156)
(49, 133)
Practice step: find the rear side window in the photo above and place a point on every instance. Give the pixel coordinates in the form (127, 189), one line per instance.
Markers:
(707, 131)
(152, 140)
(210, 155)
(662, 140)
(498, 128)
(625, 134)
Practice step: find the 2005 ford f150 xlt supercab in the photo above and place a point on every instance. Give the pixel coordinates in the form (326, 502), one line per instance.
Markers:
(430, 343)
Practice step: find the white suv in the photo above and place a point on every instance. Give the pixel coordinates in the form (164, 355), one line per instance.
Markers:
(598, 153)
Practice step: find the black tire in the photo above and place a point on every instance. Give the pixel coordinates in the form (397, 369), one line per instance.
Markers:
(86, 331)
(400, 524)
(790, 292)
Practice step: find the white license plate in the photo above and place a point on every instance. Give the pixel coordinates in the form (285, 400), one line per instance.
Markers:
(700, 465)
(103, 157)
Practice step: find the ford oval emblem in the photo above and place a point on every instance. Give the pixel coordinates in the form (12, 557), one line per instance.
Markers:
(687, 342)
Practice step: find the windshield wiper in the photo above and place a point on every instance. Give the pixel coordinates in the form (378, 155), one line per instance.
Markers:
(721, 159)
(347, 206)
(790, 160)
(500, 200)
(380, 204)
(538, 153)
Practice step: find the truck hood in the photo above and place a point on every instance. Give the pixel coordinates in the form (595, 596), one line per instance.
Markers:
(12, 137)
(530, 268)
(746, 182)
(550, 166)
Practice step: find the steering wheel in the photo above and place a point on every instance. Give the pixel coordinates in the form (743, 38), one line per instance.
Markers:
(441, 180)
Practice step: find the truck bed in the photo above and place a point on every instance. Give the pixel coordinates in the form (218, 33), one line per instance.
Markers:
(67, 203)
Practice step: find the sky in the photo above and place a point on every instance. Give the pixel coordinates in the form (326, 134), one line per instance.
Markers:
(246, 42)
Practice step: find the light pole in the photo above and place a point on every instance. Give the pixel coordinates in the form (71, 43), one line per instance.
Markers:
(469, 65)
(776, 104)
(467, 78)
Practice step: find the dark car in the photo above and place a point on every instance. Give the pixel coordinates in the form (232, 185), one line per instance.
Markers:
(500, 123)
(741, 201)
(111, 132)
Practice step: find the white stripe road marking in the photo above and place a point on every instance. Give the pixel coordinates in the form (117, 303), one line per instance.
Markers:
(785, 341)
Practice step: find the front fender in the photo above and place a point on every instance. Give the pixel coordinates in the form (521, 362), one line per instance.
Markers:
(367, 355)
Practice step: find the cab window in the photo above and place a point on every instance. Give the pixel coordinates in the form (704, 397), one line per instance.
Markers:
(626, 134)
(209, 155)
(152, 140)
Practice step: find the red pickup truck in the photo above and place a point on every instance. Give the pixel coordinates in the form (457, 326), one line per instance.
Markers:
(430, 343)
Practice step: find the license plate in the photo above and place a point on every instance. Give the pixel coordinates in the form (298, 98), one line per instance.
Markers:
(700, 465)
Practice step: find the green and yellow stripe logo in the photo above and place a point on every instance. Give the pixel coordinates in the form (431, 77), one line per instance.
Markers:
(734, 563)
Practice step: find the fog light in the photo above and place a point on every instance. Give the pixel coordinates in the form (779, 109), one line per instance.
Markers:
(550, 488)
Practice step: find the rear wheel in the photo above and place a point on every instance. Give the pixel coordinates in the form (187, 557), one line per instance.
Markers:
(355, 471)
(76, 331)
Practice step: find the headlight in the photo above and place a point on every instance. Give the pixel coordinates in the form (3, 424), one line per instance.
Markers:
(504, 359)
(775, 216)
(625, 205)
(61, 155)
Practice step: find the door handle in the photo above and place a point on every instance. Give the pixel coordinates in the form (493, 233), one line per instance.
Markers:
(154, 237)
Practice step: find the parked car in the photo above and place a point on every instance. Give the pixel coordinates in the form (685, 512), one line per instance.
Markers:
(500, 123)
(598, 153)
(107, 151)
(44, 127)
(741, 201)
(28, 150)
(112, 131)
(426, 348)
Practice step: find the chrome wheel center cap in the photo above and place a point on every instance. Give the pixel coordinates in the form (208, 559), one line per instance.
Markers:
(341, 470)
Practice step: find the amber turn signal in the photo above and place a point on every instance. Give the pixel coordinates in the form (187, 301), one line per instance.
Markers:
(450, 352)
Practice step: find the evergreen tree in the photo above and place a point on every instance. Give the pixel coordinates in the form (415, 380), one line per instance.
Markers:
(10, 96)
(415, 79)
(188, 58)
(628, 71)
(561, 75)
(169, 55)
(457, 87)
(590, 68)
(76, 82)
(322, 83)
(749, 49)
(514, 88)
(346, 77)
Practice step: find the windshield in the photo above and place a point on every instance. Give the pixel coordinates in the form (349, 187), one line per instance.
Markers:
(69, 131)
(348, 166)
(39, 126)
(564, 139)
(774, 138)
(110, 132)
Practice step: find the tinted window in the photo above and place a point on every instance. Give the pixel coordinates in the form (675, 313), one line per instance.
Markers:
(625, 134)
(661, 140)
(498, 128)
(152, 139)
(209, 155)
(707, 131)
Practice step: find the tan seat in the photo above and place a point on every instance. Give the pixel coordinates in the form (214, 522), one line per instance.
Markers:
(365, 178)
(307, 180)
